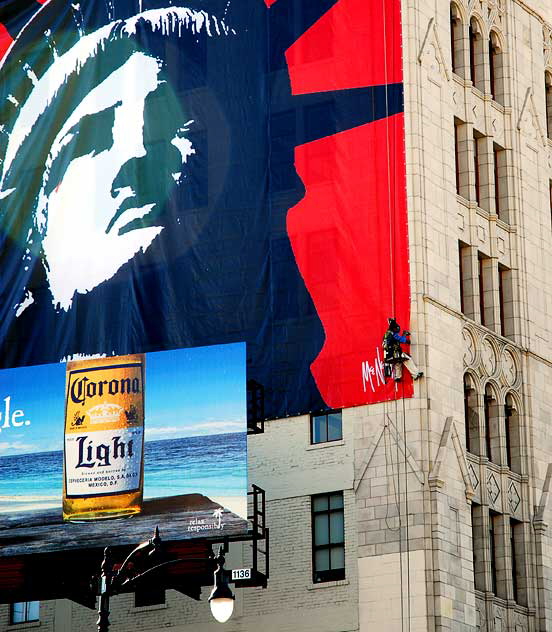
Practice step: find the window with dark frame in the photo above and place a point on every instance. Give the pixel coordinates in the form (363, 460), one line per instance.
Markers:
(487, 402)
(507, 434)
(513, 438)
(456, 41)
(496, 169)
(476, 167)
(473, 46)
(467, 413)
(492, 67)
(548, 97)
(326, 427)
(328, 537)
(514, 558)
(453, 21)
(24, 612)
(481, 293)
(492, 550)
(501, 302)
(149, 596)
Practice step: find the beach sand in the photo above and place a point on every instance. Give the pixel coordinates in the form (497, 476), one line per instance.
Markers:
(236, 504)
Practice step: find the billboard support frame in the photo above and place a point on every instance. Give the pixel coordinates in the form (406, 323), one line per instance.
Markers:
(115, 579)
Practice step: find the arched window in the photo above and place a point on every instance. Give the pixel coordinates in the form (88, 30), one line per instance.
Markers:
(512, 434)
(471, 416)
(457, 41)
(548, 89)
(477, 56)
(493, 440)
(496, 68)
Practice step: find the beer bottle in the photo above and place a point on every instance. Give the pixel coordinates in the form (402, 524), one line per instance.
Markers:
(103, 471)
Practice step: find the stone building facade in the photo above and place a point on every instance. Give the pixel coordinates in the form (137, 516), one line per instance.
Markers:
(444, 497)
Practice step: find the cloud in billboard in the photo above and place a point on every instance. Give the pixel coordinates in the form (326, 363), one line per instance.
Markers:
(16, 446)
(196, 429)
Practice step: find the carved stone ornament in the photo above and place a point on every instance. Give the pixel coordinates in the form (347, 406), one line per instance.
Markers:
(513, 497)
(493, 489)
(509, 368)
(488, 357)
(469, 347)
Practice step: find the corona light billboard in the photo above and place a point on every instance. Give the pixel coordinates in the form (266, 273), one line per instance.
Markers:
(184, 173)
(158, 438)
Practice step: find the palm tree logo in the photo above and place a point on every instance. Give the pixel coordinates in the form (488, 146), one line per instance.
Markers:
(218, 515)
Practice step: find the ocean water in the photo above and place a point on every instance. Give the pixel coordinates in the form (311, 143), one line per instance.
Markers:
(213, 465)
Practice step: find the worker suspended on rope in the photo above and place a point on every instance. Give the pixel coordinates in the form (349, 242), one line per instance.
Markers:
(393, 355)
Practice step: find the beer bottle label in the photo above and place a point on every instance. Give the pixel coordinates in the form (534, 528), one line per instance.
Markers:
(104, 429)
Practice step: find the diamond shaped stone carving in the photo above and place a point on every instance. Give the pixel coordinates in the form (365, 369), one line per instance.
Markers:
(492, 488)
(473, 476)
(513, 497)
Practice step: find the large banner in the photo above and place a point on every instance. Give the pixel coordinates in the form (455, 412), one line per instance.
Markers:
(182, 173)
(159, 437)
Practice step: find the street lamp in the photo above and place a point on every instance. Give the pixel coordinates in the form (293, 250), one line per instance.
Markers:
(142, 562)
(221, 599)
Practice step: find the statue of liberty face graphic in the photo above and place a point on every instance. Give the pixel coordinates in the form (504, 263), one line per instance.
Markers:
(114, 156)
(114, 206)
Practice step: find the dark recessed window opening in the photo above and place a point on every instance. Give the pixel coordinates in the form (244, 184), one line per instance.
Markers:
(328, 537)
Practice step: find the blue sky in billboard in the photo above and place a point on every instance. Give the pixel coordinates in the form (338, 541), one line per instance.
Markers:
(189, 392)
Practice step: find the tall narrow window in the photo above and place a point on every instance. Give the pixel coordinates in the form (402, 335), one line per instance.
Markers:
(471, 417)
(478, 546)
(24, 612)
(501, 301)
(457, 156)
(467, 416)
(514, 559)
(496, 180)
(492, 68)
(496, 68)
(477, 167)
(506, 296)
(508, 435)
(328, 537)
(481, 291)
(487, 298)
(513, 434)
(463, 164)
(456, 41)
(487, 403)
(500, 181)
(518, 558)
(492, 551)
(468, 271)
(462, 274)
(473, 47)
(493, 427)
(548, 92)
(477, 56)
